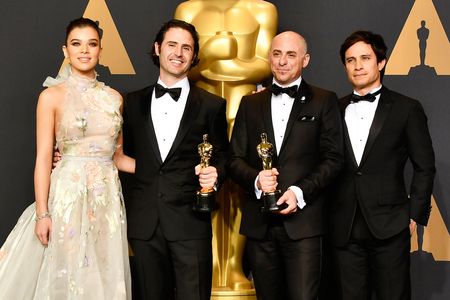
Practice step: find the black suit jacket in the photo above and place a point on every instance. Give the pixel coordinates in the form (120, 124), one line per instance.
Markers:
(310, 157)
(164, 191)
(399, 131)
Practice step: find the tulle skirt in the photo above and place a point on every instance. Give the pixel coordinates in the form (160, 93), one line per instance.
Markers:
(87, 256)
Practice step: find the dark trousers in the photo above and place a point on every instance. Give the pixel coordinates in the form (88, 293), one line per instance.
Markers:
(367, 264)
(163, 270)
(283, 268)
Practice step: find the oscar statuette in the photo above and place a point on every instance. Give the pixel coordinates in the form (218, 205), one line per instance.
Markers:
(206, 197)
(269, 198)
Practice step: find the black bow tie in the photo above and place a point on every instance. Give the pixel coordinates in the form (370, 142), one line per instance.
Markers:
(174, 92)
(290, 91)
(367, 97)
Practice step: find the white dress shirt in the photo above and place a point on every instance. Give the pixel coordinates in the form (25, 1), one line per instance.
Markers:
(166, 115)
(281, 106)
(359, 117)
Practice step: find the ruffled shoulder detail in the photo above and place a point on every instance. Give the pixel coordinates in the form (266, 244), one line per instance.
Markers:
(62, 77)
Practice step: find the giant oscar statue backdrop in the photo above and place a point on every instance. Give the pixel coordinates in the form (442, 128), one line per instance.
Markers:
(235, 38)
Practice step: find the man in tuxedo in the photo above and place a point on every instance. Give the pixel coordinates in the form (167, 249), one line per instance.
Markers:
(373, 214)
(163, 126)
(304, 125)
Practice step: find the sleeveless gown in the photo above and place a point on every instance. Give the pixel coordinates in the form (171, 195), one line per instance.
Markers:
(87, 256)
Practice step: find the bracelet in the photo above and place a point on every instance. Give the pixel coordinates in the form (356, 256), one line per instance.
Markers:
(42, 216)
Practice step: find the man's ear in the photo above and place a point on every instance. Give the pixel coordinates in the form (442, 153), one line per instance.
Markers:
(157, 48)
(306, 60)
(381, 65)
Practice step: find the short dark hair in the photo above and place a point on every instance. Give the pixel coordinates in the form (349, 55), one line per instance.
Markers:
(81, 23)
(174, 23)
(374, 40)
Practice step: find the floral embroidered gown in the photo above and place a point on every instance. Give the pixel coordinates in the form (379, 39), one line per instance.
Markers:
(87, 257)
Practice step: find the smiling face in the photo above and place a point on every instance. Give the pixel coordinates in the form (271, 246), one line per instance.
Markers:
(176, 53)
(288, 57)
(83, 50)
(363, 70)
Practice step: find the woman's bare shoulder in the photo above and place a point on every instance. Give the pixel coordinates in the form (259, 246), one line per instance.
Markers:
(52, 95)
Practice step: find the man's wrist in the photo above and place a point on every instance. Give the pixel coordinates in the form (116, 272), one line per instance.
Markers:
(298, 195)
(258, 191)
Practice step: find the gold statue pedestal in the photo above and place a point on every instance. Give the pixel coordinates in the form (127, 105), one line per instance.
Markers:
(227, 293)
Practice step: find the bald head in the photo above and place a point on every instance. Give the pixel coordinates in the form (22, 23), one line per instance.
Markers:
(294, 37)
(288, 56)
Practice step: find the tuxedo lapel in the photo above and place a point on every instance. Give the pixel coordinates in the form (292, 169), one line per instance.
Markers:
(383, 109)
(349, 149)
(348, 144)
(304, 95)
(266, 109)
(146, 103)
(189, 115)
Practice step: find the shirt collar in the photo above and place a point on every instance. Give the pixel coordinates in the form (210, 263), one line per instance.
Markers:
(297, 82)
(182, 83)
(374, 90)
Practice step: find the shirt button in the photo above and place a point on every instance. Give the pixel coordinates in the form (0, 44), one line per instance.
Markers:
(359, 173)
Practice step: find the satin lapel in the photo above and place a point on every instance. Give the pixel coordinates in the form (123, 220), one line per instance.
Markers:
(343, 103)
(304, 95)
(146, 104)
(266, 110)
(190, 112)
(383, 109)
(349, 149)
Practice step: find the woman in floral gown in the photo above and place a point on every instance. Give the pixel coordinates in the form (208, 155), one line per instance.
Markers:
(72, 244)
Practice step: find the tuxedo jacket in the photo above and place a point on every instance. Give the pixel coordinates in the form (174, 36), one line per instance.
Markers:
(163, 191)
(398, 132)
(310, 157)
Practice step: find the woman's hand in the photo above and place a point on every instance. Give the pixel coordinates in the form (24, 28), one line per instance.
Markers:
(43, 230)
